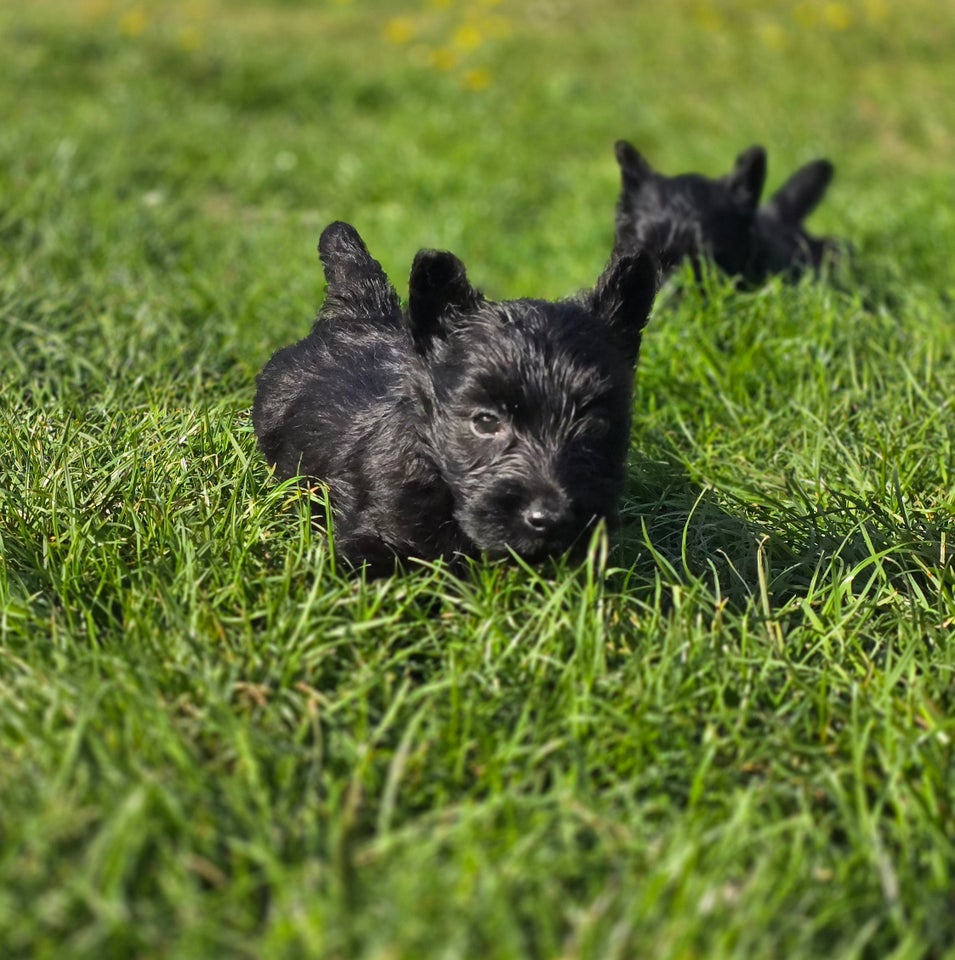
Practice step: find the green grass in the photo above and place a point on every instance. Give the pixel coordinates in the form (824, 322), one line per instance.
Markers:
(729, 736)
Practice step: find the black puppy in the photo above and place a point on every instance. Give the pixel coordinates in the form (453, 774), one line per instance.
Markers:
(463, 425)
(690, 216)
(694, 217)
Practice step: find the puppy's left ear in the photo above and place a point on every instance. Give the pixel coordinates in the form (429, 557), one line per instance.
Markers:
(746, 181)
(801, 193)
(623, 298)
(356, 284)
(634, 169)
(438, 291)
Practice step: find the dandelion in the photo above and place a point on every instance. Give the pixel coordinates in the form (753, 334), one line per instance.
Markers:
(467, 37)
(707, 16)
(399, 30)
(190, 38)
(443, 58)
(441, 35)
(836, 16)
(476, 79)
(772, 35)
(133, 22)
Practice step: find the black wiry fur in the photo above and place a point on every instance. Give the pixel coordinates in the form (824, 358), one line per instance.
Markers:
(464, 425)
(694, 217)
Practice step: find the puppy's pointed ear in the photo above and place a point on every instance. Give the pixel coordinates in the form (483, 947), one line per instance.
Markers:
(801, 193)
(357, 286)
(623, 297)
(746, 181)
(634, 170)
(438, 289)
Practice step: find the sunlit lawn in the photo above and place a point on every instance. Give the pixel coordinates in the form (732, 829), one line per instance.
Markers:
(730, 736)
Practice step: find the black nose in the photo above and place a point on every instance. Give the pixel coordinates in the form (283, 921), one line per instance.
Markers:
(543, 515)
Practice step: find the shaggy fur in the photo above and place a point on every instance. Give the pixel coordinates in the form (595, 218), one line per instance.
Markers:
(694, 217)
(462, 425)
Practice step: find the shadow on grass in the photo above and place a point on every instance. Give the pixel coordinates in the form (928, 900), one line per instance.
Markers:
(776, 552)
(675, 529)
(782, 555)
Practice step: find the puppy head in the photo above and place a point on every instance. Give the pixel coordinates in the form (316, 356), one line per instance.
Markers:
(689, 217)
(526, 403)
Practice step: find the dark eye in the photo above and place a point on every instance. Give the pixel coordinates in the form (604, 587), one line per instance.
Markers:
(486, 423)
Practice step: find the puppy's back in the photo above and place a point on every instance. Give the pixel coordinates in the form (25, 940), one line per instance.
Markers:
(316, 395)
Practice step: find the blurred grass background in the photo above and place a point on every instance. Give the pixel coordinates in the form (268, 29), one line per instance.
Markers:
(453, 124)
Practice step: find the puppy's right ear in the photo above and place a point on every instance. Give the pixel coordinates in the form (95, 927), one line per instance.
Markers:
(623, 298)
(801, 193)
(746, 181)
(633, 168)
(438, 290)
(357, 286)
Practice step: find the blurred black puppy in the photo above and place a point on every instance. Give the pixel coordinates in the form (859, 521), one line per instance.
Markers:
(463, 425)
(690, 216)
(694, 217)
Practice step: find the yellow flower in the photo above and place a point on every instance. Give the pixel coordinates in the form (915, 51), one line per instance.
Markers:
(190, 38)
(836, 16)
(772, 34)
(443, 58)
(133, 22)
(707, 16)
(399, 30)
(467, 37)
(476, 79)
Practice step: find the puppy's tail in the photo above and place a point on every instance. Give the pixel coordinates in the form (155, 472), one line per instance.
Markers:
(357, 286)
